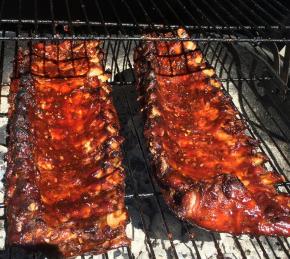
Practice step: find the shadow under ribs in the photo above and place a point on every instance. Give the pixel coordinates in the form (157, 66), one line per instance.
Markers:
(65, 181)
(209, 170)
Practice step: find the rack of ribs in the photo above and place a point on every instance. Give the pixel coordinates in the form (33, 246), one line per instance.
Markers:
(209, 170)
(65, 180)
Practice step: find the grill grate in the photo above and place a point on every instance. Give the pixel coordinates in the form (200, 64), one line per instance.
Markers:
(261, 23)
(155, 231)
(254, 21)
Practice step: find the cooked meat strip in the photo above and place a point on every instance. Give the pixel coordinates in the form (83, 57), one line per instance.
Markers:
(209, 170)
(64, 181)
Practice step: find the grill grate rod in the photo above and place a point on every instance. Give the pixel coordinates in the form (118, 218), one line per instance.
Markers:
(272, 250)
(60, 37)
(1, 51)
(262, 248)
(70, 24)
(277, 11)
(266, 13)
(51, 9)
(35, 18)
(283, 246)
(238, 244)
(213, 28)
(281, 6)
(138, 203)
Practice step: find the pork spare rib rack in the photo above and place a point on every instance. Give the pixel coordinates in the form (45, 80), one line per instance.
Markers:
(208, 169)
(241, 40)
(64, 178)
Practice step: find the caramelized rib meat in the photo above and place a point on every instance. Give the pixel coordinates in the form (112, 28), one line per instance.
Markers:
(65, 181)
(208, 168)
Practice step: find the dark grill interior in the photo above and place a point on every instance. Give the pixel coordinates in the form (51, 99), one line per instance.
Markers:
(241, 40)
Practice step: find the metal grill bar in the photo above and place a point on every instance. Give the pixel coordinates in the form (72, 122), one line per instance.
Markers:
(273, 251)
(71, 26)
(60, 37)
(35, 17)
(84, 11)
(136, 196)
(51, 9)
(273, 8)
(1, 65)
(283, 246)
(146, 26)
(266, 13)
(238, 244)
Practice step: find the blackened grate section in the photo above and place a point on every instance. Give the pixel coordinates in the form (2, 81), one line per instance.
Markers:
(241, 20)
(155, 231)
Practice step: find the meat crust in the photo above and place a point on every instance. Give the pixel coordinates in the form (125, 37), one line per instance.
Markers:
(64, 181)
(208, 168)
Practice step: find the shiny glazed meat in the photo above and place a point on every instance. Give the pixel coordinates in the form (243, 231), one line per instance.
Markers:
(65, 181)
(208, 169)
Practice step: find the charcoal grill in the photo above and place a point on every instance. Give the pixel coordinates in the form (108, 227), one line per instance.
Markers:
(247, 42)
